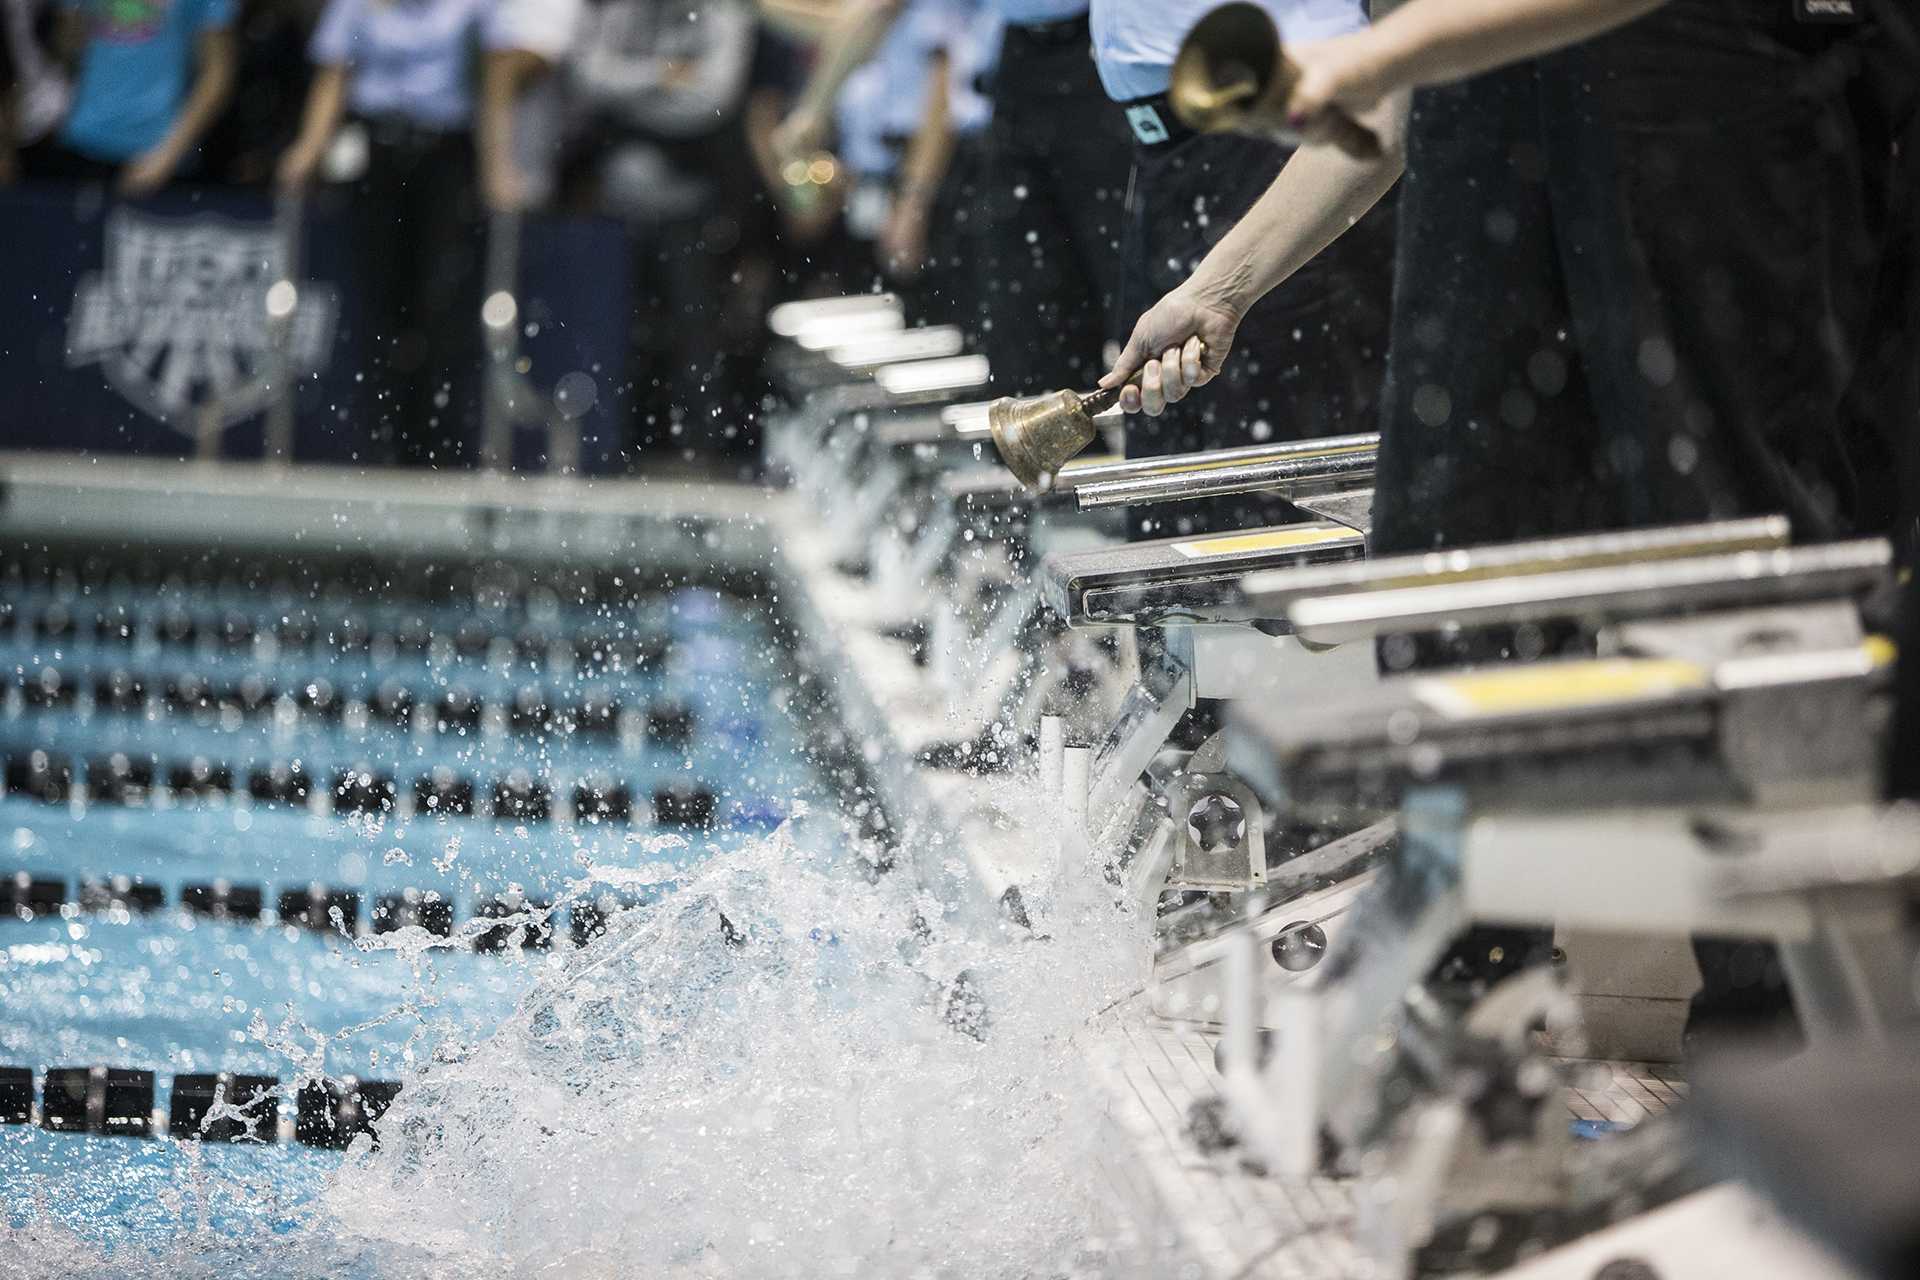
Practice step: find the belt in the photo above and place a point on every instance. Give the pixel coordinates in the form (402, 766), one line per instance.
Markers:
(1153, 123)
(1064, 31)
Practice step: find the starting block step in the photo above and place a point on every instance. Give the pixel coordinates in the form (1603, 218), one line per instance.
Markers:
(1191, 579)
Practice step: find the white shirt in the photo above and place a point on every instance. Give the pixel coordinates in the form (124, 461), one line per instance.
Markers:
(543, 27)
(1136, 41)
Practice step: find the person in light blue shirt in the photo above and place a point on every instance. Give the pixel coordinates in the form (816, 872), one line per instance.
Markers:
(898, 80)
(1054, 203)
(408, 72)
(1309, 359)
(410, 59)
(1044, 216)
(1134, 44)
(153, 77)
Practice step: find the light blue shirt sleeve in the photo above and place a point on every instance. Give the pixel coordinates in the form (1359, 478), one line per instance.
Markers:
(1136, 41)
(332, 43)
(1026, 13)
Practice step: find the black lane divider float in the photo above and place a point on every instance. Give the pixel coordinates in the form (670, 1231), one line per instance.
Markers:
(530, 711)
(26, 896)
(223, 1107)
(130, 781)
(589, 650)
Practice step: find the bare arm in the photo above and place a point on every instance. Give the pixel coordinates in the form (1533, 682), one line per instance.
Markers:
(1430, 42)
(503, 75)
(326, 102)
(855, 34)
(1317, 195)
(807, 20)
(1183, 341)
(922, 170)
(212, 88)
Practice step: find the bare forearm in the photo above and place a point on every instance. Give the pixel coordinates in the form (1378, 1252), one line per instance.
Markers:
(501, 75)
(931, 150)
(212, 88)
(1318, 194)
(852, 39)
(1426, 42)
(807, 20)
(326, 102)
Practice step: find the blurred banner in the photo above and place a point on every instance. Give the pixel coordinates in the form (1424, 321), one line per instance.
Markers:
(168, 327)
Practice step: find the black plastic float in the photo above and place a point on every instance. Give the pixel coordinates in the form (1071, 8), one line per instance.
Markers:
(194, 1097)
(333, 1113)
(29, 896)
(119, 1102)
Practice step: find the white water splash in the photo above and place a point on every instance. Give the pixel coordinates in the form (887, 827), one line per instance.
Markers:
(777, 1094)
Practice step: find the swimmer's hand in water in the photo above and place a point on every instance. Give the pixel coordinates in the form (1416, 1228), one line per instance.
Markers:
(1179, 344)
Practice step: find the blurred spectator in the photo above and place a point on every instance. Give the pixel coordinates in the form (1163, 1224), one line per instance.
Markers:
(521, 112)
(404, 70)
(270, 87)
(660, 87)
(33, 92)
(899, 80)
(812, 253)
(153, 76)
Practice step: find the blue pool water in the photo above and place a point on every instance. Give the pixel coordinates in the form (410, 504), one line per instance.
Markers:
(752, 1067)
(556, 754)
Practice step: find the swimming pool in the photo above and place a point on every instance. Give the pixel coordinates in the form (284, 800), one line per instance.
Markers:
(273, 824)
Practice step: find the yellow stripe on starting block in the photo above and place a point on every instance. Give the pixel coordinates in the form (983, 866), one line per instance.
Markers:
(1560, 685)
(1292, 537)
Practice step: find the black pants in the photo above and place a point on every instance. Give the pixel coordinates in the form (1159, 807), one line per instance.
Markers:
(1665, 276)
(1309, 357)
(947, 288)
(1050, 223)
(419, 226)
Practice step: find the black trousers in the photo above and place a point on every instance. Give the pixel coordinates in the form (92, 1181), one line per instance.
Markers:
(1662, 277)
(1049, 226)
(1665, 276)
(1309, 357)
(422, 245)
(947, 288)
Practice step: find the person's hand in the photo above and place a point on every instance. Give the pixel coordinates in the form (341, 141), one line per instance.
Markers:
(1336, 82)
(148, 172)
(296, 169)
(798, 136)
(1179, 344)
(903, 241)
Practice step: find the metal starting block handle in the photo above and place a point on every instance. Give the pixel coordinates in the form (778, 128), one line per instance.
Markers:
(1299, 467)
(1273, 594)
(1751, 578)
(1295, 467)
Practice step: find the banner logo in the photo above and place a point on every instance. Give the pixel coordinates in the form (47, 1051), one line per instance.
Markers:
(196, 317)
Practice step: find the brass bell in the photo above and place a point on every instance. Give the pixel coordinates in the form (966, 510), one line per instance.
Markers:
(1036, 435)
(1233, 75)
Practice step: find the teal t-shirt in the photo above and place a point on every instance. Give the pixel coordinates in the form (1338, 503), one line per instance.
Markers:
(136, 70)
